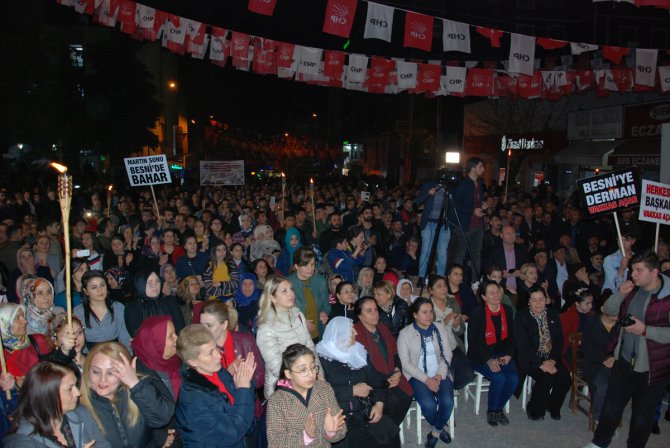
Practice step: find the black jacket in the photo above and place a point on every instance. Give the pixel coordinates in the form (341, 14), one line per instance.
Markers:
(497, 257)
(595, 347)
(478, 352)
(527, 339)
(165, 400)
(135, 314)
(396, 320)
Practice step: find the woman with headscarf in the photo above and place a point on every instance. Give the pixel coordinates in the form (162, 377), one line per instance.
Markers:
(246, 301)
(292, 242)
(360, 390)
(365, 282)
(221, 278)
(152, 257)
(264, 243)
(155, 346)
(20, 353)
(116, 284)
(404, 290)
(25, 265)
(40, 306)
(150, 301)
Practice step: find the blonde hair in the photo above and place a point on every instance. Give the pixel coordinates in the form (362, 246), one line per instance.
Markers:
(190, 339)
(114, 350)
(266, 309)
(385, 286)
(222, 312)
(183, 291)
(525, 268)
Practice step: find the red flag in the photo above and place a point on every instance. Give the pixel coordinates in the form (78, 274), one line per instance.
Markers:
(584, 80)
(530, 86)
(264, 62)
(550, 44)
(284, 54)
(339, 17)
(428, 78)
(379, 70)
(569, 83)
(265, 7)
(239, 45)
(333, 64)
(615, 54)
(219, 48)
(501, 85)
(84, 6)
(479, 82)
(106, 14)
(492, 34)
(623, 78)
(418, 31)
(126, 17)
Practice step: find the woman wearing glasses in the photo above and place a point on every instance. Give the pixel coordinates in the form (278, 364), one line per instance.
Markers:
(303, 411)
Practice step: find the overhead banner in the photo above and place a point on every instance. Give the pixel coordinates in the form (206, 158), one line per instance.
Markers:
(143, 171)
(655, 203)
(609, 192)
(221, 172)
(379, 22)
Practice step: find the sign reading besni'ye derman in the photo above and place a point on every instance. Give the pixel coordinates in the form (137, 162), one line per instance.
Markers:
(151, 170)
(609, 192)
(655, 202)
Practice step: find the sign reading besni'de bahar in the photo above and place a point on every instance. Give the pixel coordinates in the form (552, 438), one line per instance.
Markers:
(655, 202)
(609, 192)
(151, 170)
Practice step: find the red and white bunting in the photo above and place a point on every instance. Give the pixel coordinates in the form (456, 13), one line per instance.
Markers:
(614, 54)
(579, 48)
(428, 78)
(418, 31)
(145, 23)
(455, 36)
(455, 79)
(358, 66)
(308, 60)
(664, 78)
(407, 72)
(333, 66)
(492, 34)
(479, 82)
(339, 17)
(174, 35)
(379, 22)
(127, 16)
(220, 47)
(264, 7)
(645, 67)
(521, 54)
(106, 13)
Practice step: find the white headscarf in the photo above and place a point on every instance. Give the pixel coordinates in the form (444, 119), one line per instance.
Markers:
(402, 282)
(336, 344)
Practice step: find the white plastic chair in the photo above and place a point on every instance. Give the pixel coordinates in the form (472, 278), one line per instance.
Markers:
(525, 392)
(481, 385)
(419, 416)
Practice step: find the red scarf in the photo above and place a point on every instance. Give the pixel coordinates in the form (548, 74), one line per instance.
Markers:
(215, 380)
(386, 366)
(228, 351)
(491, 329)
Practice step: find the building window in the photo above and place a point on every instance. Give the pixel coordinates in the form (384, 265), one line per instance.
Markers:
(77, 55)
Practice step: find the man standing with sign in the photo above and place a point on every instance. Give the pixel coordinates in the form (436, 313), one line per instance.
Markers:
(642, 368)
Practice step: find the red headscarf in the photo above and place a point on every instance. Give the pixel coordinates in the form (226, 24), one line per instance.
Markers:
(149, 346)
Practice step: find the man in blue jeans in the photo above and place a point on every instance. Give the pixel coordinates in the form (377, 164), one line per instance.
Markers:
(433, 196)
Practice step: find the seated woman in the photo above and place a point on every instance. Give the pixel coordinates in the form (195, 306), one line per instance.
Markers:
(48, 413)
(40, 306)
(344, 306)
(491, 350)
(405, 291)
(393, 311)
(215, 408)
(425, 354)
(495, 273)
(360, 390)
(190, 295)
(303, 411)
(66, 344)
(280, 324)
(379, 268)
(20, 353)
(292, 242)
(246, 301)
(102, 318)
(383, 351)
(116, 285)
(539, 344)
(528, 279)
(365, 282)
(125, 408)
(575, 320)
(155, 346)
(150, 301)
(463, 295)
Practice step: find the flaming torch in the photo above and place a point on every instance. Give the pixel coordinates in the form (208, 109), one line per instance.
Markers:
(311, 190)
(109, 199)
(65, 199)
(283, 194)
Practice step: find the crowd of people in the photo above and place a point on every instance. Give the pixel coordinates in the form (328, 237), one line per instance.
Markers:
(243, 317)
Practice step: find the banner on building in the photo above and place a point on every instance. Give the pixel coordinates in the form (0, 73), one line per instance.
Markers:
(143, 171)
(655, 202)
(609, 192)
(221, 172)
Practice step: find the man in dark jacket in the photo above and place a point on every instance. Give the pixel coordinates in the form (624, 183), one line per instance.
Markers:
(508, 255)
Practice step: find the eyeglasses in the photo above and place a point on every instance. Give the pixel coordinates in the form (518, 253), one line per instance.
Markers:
(307, 371)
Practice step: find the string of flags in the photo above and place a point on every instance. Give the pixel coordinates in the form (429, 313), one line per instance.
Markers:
(522, 74)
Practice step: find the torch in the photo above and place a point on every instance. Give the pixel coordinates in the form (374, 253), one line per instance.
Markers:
(509, 156)
(311, 190)
(283, 194)
(109, 199)
(65, 199)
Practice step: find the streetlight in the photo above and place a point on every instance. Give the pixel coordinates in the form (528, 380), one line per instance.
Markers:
(314, 115)
(172, 85)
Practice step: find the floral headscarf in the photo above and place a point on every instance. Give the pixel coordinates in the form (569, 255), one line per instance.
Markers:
(38, 318)
(8, 313)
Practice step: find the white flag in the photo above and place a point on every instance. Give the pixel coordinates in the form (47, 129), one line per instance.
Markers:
(146, 15)
(379, 23)
(522, 54)
(645, 67)
(358, 66)
(309, 60)
(406, 74)
(664, 76)
(456, 79)
(606, 79)
(217, 51)
(198, 50)
(455, 36)
(579, 48)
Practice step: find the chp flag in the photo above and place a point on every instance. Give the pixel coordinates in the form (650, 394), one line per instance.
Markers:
(221, 172)
(151, 170)
(609, 192)
(655, 202)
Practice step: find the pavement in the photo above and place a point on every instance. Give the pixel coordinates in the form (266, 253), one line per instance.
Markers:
(571, 431)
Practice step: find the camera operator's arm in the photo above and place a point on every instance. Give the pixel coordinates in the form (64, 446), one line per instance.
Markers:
(427, 190)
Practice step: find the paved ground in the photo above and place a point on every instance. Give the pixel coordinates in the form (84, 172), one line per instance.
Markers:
(571, 431)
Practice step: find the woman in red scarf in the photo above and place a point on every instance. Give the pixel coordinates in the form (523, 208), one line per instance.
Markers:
(383, 351)
(155, 345)
(490, 350)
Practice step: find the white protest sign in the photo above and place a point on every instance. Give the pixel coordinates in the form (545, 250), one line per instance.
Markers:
(655, 204)
(151, 170)
(222, 172)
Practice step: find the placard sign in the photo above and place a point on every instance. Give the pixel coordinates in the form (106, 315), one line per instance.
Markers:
(151, 170)
(222, 172)
(655, 202)
(609, 192)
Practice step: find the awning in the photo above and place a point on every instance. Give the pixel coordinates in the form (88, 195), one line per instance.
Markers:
(589, 153)
(640, 152)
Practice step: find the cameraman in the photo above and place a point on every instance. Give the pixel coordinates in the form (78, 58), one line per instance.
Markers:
(642, 367)
(468, 203)
(432, 196)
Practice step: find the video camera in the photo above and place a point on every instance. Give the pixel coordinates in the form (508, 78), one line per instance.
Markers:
(448, 178)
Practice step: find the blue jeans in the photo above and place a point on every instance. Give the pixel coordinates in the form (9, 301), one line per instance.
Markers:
(427, 235)
(435, 406)
(503, 384)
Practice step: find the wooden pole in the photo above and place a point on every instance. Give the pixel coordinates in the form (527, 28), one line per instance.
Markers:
(283, 193)
(509, 156)
(8, 394)
(153, 194)
(311, 190)
(658, 229)
(618, 233)
(65, 199)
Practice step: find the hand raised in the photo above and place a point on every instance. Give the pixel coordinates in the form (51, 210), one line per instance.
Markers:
(125, 371)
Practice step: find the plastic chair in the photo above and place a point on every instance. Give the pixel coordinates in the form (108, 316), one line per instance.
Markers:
(481, 385)
(525, 392)
(419, 416)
